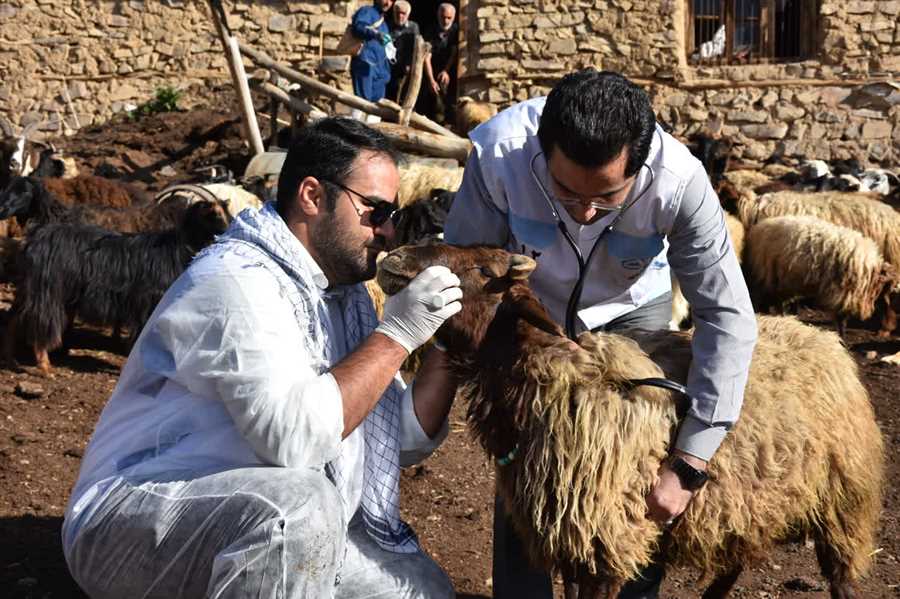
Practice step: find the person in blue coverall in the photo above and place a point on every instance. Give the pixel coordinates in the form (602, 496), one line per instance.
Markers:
(370, 69)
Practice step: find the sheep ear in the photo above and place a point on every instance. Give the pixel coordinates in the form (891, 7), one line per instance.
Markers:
(530, 309)
(520, 267)
(7, 127)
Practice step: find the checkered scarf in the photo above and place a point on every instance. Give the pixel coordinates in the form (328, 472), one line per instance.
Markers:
(263, 235)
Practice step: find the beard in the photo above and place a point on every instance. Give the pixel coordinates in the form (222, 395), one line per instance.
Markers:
(347, 259)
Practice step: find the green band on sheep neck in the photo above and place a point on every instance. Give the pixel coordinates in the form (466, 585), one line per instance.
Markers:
(508, 458)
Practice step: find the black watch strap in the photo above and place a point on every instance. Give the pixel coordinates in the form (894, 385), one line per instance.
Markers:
(691, 478)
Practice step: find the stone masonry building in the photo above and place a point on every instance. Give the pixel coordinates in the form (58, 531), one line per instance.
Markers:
(814, 78)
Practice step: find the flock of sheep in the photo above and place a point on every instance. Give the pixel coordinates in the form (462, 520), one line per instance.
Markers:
(588, 441)
(839, 250)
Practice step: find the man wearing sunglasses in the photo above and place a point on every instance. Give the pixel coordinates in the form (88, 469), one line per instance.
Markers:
(253, 444)
(585, 182)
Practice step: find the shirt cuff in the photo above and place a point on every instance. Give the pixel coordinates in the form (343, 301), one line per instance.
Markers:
(699, 439)
(415, 444)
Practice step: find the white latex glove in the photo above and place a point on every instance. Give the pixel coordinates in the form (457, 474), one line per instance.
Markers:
(413, 315)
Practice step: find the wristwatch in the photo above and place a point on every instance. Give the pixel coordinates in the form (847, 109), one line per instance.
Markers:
(691, 478)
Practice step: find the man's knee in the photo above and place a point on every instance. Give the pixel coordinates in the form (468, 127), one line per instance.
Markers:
(434, 583)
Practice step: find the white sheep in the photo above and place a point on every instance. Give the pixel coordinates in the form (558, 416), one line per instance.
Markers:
(471, 113)
(417, 179)
(799, 257)
(235, 197)
(862, 212)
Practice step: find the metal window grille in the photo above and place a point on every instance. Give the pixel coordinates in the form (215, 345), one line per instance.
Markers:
(751, 31)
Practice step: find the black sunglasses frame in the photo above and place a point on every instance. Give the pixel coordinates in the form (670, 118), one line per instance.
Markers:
(381, 210)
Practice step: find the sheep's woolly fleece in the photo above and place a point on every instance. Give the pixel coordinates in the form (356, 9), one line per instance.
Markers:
(470, 114)
(577, 491)
(805, 257)
(747, 179)
(417, 180)
(858, 211)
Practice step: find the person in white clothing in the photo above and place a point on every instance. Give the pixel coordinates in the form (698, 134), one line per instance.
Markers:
(585, 182)
(253, 444)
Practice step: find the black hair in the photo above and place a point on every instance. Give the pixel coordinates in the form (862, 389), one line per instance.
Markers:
(326, 150)
(592, 115)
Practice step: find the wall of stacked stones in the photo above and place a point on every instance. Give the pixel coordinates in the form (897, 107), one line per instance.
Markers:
(110, 55)
(815, 108)
(69, 63)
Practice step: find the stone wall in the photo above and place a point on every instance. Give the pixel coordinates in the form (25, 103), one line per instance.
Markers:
(815, 108)
(109, 55)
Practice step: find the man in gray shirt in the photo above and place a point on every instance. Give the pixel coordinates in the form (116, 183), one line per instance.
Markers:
(585, 182)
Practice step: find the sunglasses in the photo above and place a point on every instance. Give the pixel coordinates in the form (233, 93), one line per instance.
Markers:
(381, 210)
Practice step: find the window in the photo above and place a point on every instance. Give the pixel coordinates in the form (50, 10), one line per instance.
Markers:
(751, 31)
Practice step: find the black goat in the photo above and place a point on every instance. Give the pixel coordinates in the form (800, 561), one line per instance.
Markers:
(28, 200)
(424, 219)
(713, 153)
(104, 278)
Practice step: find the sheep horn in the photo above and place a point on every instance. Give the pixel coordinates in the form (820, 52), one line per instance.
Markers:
(520, 267)
(7, 127)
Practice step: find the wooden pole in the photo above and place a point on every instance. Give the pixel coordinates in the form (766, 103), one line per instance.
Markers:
(413, 140)
(414, 82)
(405, 138)
(295, 104)
(245, 98)
(384, 111)
(238, 76)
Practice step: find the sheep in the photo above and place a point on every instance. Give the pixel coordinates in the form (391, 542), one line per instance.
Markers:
(795, 257)
(878, 181)
(471, 113)
(424, 219)
(746, 179)
(28, 200)
(858, 211)
(579, 439)
(103, 277)
(235, 197)
(680, 307)
(417, 180)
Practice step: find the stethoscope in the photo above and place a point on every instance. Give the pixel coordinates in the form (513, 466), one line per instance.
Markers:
(575, 296)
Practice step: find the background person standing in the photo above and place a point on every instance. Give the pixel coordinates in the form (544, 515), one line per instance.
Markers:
(403, 32)
(437, 99)
(370, 69)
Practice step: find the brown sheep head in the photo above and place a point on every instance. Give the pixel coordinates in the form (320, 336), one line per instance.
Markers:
(202, 221)
(489, 278)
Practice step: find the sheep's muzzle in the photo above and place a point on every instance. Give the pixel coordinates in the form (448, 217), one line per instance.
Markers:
(396, 270)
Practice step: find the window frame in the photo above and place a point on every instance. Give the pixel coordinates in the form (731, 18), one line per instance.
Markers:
(764, 53)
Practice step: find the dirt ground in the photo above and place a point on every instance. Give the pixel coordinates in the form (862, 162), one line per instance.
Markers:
(45, 423)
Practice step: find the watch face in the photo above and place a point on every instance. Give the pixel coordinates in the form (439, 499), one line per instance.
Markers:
(691, 478)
